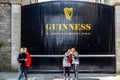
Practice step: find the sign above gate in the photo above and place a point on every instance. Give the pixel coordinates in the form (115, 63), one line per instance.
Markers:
(69, 26)
(53, 27)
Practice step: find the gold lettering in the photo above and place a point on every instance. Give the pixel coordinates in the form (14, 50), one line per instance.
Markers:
(53, 27)
(60, 27)
(68, 27)
(82, 27)
(47, 28)
(88, 26)
(71, 26)
(65, 26)
(77, 26)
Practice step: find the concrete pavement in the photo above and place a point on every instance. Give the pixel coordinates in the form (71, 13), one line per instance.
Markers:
(59, 76)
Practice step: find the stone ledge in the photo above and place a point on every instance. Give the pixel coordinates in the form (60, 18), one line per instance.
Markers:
(10, 2)
(116, 4)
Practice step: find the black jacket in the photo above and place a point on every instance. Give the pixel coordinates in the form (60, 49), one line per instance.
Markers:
(21, 59)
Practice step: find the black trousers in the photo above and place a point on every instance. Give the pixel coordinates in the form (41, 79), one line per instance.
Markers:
(66, 71)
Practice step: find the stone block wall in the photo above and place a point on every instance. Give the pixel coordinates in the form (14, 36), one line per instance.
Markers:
(27, 2)
(5, 36)
(117, 37)
(10, 33)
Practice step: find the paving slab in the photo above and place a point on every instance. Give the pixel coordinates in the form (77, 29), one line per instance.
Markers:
(78, 79)
(59, 76)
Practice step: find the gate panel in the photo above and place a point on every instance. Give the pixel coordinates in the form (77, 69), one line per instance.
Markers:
(50, 28)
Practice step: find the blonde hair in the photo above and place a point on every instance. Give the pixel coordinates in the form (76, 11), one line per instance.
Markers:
(73, 50)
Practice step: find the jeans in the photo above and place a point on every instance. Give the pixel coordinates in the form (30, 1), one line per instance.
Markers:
(75, 66)
(20, 72)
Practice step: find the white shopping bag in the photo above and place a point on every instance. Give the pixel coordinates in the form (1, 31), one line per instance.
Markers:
(66, 64)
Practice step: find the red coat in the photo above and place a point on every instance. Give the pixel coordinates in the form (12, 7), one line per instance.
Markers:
(28, 59)
(69, 59)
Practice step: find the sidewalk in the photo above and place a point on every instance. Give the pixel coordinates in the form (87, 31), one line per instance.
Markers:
(59, 76)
